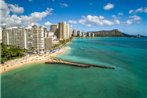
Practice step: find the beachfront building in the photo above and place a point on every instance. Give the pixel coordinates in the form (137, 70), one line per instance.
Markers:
(29, 38)
(43, 39)
(88, 34)
(0, 35)
(54, 37)
(53, 28)
(79, 33)
(83, 34)
(67, 31)
(70, 32)
(60, 31)
(50, 39)
(5, 36)
(92, 34)
(47, 43)
(63, 31)
(14, 36)
(36, 38)
(74, 33)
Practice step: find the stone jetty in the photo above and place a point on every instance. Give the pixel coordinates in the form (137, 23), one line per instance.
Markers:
(60, 61)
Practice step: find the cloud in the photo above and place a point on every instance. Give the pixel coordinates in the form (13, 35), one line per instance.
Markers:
(133, 19)
(16, 9)
(129, 22)
(109, 6)
(36, 16)
(4, 12)
(90, 20)
(63, 5)
(47, 23)
(114, 16)
(71, 26)
(120, 13)
(138, 10)
(4, 9)
(131, 11)
(21, 20)
(14, 20)
(72, 21)
(116, 21)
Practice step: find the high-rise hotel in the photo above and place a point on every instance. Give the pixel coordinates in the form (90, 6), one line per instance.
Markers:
(1, 35)
(36, 38)
(63, 31)
(15, 36)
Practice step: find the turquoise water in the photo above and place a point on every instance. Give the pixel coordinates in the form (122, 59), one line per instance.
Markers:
(128, 80)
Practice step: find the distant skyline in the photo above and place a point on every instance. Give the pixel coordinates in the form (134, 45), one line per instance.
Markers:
(129, 16)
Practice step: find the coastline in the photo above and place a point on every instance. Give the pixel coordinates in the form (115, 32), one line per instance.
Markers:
(27, 60)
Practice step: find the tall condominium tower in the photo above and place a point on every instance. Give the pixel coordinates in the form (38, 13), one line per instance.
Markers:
(63, 31)
(0, 35)
(15, 36)
(38, 38)
(74, 33)
(60, 31)
(5, 36)
(53, 28)
(68, 31)
(64, 34)
(29, 38)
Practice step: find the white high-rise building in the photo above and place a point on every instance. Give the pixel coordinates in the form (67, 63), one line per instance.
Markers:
(29, 38)
(74, 33)
(63, 31)
(0, 35)
(68, 31)
(15, 36)
(38, 38)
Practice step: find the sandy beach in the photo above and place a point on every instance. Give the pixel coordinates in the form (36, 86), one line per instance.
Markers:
(29, 59)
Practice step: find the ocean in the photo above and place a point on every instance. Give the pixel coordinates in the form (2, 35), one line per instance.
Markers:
(127, 80)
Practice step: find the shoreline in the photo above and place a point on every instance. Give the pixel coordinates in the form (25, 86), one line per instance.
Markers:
(32, 59)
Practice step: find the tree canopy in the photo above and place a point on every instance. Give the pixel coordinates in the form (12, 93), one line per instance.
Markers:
(9, 52)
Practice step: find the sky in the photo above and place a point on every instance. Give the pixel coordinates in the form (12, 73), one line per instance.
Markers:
(129, 16)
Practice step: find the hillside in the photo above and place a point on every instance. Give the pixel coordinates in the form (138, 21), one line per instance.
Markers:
(111, 33)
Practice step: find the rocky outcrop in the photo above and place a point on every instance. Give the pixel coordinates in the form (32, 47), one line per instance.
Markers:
(113, 33)
(109, 33)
